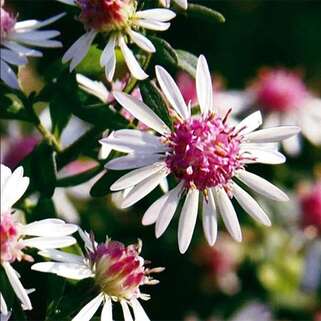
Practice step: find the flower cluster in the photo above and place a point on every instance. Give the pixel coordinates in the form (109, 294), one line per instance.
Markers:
(192, 138)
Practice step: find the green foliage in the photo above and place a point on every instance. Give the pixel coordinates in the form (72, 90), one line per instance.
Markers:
(153, 99)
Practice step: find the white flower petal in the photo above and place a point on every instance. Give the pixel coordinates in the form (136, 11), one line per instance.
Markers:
(12, 57)
(131, 141)
(227, 211)
(49, 228)
(36, 24)
(79, 49)
(152, 24)
(250, 123)
(164, 185)
(154, 211)
(43, 243)
(250, 205)
(172, 92)
(204, 86)
(271, 135)
(61, 256)
(139, 313)
(135, 69)
(261, 186)
(133, 161)
(89, 310)
(168, 209)
(34, 35)
(209, 219)
(96, 88)
(69, 2)
(5, 173)
(3, 305)
(72, 271)
(19, 290)
(156, 14)
(292, 146)
(107, 311)
(86, 239)
(126, 312)
(182, 3)
(187, 220)
(108, 58)
(136, 176)
(141, 41)
(13, 189)
(8, 75)
(143, 188)
(142, 112)
(263, 156)
(21, 50)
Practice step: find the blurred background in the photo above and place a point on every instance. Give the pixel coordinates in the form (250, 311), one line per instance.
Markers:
(275, 273)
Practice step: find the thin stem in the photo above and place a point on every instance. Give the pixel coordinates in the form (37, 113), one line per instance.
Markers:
(49, 137)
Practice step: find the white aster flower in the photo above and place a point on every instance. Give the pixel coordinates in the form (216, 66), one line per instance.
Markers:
(16, 236)
(285, 100)
(17, 37)
(204, 153)
(182, 3)
(118, 272)
(120, 23)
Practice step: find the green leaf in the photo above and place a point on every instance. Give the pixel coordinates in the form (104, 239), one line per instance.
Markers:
(90, 65)
(187, 62)
(165, 55)
(59, 112)
(43, 168)
(11, 107)
(154, 100)
(102, 186)
(208, 15)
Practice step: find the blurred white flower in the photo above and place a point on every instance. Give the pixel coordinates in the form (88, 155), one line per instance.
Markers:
(17, 37)
(118, 20)
(204, 153)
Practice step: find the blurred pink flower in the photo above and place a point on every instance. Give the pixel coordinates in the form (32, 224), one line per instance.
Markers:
(310, 201)
(19, 149)
(279, 90)
(221, 263)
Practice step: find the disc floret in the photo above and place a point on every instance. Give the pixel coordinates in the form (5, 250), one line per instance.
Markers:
(106, 15)
(204, 152)
(120, 270)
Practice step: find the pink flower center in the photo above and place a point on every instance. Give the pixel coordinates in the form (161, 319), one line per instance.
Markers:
(280, 90)
(105, 15)
(10, 245)
(119, 269)
(204, 152)
(7, 23)
(311, 208)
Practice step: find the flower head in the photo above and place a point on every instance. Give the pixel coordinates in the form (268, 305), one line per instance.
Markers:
(15, 40)
(205, 153)
(285, 100)
(118, 271)
(118, 21)
(280, 90)
(106, 15)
